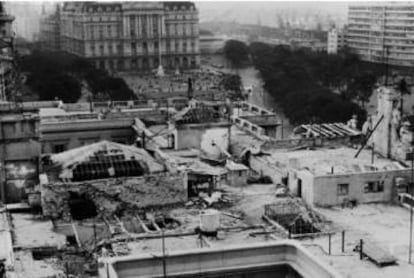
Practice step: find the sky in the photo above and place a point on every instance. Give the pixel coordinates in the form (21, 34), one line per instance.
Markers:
(245, 12)
(265, 12)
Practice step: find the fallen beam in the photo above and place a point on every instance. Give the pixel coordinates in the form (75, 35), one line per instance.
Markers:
(276, 225)
(76, 235)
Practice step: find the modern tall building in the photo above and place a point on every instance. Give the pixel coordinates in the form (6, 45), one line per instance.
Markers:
(382, 32)
(132, 35)
(336, 40)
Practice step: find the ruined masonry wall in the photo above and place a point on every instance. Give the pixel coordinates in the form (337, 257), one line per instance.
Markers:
(113, 195)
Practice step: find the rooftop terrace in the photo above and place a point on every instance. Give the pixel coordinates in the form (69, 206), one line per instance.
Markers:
(339, 161)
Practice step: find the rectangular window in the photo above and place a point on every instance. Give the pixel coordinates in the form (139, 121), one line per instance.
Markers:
(59, 148)
(374, 187)
(133, 48)
(132, 25)
(343, 189)
(109, 31)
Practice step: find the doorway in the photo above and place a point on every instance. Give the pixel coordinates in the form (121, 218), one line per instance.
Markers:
(299, 188)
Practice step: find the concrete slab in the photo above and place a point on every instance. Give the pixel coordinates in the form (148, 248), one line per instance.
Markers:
(32, 232)
(386, 225)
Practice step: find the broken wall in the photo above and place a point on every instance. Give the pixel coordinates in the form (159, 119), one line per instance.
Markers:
(113, 196)
(311, 142)
(261, 165)
(209, 138)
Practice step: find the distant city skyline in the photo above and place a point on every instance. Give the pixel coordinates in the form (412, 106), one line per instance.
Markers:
(246, 12)
(268, 13)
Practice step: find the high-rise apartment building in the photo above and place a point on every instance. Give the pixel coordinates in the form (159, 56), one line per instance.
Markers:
(132, 35)
(382, 32)
(336, 40)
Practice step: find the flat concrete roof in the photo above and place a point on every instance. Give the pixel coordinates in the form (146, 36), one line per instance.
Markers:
(48, 112)
(14, 117)
(240, 257)
(321, 161)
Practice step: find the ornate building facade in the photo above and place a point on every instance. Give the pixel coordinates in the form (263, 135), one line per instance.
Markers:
(128, 36)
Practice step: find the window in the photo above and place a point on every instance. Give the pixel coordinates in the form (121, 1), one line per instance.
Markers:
(120, 64)
(374, 186)
(59, 148)
(109, 31)
(240, 173)
(343, 189)
(101, 32)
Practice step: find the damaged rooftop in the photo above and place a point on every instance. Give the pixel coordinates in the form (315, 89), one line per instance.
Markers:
(115, 201)
(327, 161)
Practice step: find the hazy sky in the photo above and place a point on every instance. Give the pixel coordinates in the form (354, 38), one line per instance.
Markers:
(28, 14)
(249, 12)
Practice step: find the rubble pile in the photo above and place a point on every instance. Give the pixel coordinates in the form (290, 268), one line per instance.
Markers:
(112, 196)
(217, 200)
(293, 214)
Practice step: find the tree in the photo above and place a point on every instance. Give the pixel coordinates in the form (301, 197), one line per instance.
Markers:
(231, 82)
(59, 75)
(56, 86)
(307, 84)
(236, 52)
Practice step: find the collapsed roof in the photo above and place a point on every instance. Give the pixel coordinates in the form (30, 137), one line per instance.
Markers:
(198, 115)
(327, 130)
(104, 160)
